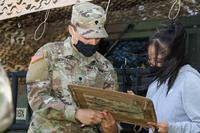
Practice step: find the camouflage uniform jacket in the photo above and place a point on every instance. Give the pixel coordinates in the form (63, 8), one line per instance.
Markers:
(6, 106)
(53, 67)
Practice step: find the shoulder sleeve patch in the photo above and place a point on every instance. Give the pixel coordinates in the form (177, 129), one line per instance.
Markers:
(37, 71)
(37, 57)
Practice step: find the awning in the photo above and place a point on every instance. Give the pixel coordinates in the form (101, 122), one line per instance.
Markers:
(13, 8)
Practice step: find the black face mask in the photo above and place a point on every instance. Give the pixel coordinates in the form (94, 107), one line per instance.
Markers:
(86, 49)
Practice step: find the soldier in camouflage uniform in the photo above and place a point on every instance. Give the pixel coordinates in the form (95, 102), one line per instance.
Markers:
(6, 106)
(74, 61)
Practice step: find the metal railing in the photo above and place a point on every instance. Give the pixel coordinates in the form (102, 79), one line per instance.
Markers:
(14, 76)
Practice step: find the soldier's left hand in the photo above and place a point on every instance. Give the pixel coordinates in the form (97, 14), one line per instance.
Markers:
(108, 124)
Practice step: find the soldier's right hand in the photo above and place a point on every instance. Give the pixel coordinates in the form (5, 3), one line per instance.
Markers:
(89, 116)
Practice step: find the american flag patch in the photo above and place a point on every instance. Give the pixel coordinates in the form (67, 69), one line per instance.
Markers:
(37, 57)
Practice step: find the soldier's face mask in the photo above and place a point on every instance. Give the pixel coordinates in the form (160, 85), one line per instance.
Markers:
(86, 49)
(86, 46)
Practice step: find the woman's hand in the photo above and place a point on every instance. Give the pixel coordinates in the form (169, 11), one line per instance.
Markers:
(161, 126)
(108, 124)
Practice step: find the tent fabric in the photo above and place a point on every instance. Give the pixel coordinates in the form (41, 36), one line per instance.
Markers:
(13, 8)
(17, 44)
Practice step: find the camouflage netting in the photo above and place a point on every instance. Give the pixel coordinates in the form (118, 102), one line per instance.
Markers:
(17, 44)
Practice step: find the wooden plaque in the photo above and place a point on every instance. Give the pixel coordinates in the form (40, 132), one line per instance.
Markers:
(124, 107)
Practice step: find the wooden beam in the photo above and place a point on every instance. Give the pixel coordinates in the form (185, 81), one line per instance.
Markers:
(142, 29)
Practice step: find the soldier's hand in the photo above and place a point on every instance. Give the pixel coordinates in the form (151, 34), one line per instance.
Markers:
(88, 116)
(108, 124)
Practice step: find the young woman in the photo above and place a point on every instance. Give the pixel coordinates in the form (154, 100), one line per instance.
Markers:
(175, 91)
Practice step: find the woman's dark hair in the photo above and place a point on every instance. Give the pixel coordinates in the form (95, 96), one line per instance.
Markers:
(172, 36)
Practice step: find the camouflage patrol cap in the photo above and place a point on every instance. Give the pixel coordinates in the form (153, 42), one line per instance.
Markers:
(89, 20)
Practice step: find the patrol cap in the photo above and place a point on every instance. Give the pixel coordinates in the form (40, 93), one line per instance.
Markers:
(89, 20)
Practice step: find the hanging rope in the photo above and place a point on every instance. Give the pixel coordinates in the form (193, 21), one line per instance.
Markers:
(44, 27)
(175, 2)
(108, 6)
